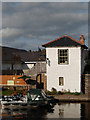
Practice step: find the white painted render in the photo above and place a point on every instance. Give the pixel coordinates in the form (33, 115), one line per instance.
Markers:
(71, 72)
(82, 61)
(28, 66)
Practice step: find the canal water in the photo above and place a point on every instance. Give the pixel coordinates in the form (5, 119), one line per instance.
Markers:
(80, 111)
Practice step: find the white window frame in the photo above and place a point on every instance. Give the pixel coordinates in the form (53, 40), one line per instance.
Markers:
(62, 55)
(61, 83)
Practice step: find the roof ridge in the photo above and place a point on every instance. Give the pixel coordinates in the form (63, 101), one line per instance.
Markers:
(63, 37)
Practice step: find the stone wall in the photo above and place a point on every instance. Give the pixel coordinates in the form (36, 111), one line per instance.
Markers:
(87, 84)
(40, 67)
(44, 80)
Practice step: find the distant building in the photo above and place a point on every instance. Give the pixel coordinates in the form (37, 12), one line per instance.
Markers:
(17, 62)
(65, 63)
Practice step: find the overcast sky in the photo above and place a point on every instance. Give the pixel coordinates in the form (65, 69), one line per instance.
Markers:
(29, 25)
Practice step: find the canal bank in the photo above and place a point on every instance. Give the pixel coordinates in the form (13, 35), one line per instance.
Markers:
(72, 98)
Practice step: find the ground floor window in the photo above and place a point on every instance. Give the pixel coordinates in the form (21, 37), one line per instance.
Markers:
(61, 81)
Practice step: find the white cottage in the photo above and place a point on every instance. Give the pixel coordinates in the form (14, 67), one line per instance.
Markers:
(65, 63)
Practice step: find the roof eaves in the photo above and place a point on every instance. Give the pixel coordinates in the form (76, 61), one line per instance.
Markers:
(52, 41)
(84, 46)
(44, 45)
(74, 40)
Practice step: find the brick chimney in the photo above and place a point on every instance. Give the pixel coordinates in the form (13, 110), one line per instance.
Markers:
(82, 39)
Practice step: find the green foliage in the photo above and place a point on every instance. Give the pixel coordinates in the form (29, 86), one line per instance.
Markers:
(76, 93)
(60, 93)
(63, 92)
(20, 91)
(48, 92)
(7, 92)
(53, 91)
(24, 77)
(10, 92)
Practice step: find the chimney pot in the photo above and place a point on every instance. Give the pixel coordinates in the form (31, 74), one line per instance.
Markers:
(82, 39)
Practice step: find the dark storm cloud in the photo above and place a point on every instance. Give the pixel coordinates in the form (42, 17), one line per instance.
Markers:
(37, 23)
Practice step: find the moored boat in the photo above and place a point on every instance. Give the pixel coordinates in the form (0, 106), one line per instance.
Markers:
(34, 97)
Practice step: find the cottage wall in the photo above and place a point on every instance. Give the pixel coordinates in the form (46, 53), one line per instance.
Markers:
(70, 72)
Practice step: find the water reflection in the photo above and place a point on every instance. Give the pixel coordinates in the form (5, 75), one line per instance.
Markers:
(64, 110)
(60, 111)
(85, 111)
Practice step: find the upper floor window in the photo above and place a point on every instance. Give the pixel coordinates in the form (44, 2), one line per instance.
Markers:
(63, 56)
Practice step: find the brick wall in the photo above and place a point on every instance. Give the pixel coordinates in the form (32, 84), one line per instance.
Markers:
(44, 80)
(87, 84)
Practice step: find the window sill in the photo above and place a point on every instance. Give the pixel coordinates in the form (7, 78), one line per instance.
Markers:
(63, 64)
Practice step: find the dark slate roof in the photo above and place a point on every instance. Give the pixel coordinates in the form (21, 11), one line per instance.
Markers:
(32, 56)
(18, 55)
(9, 54)
(63, 41)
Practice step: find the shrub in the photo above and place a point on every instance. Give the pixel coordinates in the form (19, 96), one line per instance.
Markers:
(48, 92)
(76, 93)
(67, 93)
(60, 93)
(53, 91)
(7, 92)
